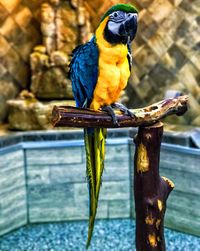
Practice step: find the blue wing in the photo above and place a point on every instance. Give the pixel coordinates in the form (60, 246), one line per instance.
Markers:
(84, 72)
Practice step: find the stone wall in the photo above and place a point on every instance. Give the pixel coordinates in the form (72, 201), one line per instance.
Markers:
(19, 32)
(166, 51)
(25, 24)
(45, 181)
(13, 206)
(166, 54)
(59, 190)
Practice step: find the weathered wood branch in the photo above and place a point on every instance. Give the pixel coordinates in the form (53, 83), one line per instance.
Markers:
(150, 190)
(77, 117)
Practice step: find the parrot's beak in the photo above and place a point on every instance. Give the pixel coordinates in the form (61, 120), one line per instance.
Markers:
(121, 31)
(130, 26)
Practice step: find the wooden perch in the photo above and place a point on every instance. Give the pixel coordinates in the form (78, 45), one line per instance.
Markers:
(77, 117)
(151, 190)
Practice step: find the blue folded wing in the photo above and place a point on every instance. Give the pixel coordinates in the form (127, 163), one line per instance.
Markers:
(84, 72)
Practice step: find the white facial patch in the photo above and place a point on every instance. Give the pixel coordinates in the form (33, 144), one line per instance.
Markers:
(114, 27)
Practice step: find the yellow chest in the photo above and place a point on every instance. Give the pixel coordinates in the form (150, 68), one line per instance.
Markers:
(113, 71)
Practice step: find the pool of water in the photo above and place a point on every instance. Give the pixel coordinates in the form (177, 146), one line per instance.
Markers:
(109, 235)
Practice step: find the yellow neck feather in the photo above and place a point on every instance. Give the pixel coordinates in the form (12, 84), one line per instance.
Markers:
(116, 52)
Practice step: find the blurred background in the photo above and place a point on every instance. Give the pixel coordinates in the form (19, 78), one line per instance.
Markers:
(37, 37)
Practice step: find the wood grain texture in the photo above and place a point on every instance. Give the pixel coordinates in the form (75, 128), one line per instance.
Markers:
(69, 116)
(150, 190)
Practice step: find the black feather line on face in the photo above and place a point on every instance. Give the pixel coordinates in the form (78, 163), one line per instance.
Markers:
(115, 38)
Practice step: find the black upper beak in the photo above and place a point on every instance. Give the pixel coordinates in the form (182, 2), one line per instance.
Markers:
(130, 25)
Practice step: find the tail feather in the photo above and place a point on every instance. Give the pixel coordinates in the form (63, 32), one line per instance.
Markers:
(95, 154)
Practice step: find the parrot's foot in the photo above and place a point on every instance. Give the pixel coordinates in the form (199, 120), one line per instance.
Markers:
(123, 109)
(111, 112)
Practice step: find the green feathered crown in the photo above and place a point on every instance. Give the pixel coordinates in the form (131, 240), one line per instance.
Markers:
(122, 7)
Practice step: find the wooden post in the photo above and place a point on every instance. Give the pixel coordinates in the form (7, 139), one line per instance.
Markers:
(151, 190)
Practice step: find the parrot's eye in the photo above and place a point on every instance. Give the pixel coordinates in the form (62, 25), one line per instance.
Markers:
(115, 14)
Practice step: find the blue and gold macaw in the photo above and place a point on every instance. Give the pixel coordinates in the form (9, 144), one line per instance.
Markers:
(99, 71)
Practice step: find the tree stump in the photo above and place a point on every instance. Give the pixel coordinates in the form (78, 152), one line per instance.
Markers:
(151, 191)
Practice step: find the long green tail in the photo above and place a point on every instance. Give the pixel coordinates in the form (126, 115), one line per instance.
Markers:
(95, 154)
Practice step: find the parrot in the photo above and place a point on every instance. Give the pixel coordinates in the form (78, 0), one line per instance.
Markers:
(99, 71)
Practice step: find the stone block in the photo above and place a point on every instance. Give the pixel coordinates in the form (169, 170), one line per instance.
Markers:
(19, 73)
(13, 211)
(116, 152)
(183, 205)
(160, 42)
(10, 5)
(12, 201)
(12, 222)
(52, 83)
(116, 173)
(4, 46)
(81, 192)
(144, 89)
(195, 59)
(59, 58)
(184, 181)
(174, 60)
(175, 2)
(146, 59)
(38, 175)
(29, 114)
(4, 14)
(145, 3)
(115, 190)
(62, 156)
(50, 195)
(161, 75)
(24, 45)
(119, 209)
(160, 9)
(3, 71)
(11, 172)
(68, 173)
(102, 210)
(181, 223)
(66, 16)
(12, 180)
(22, 16)
(11, 159)
(181, 162)
(49, 214)
(171, 24)
(10, 29)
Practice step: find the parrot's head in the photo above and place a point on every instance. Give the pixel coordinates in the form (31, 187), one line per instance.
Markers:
(121, 24)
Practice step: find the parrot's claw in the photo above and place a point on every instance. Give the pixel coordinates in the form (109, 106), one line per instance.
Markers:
(111, 112)
(123, 109)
